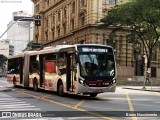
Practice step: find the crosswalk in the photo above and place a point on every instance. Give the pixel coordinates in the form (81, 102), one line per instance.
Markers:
(9, 103)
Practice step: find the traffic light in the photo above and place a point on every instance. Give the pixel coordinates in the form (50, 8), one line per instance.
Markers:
(38, 20)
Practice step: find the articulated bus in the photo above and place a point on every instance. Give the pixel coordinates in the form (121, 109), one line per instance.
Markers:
(72, 69)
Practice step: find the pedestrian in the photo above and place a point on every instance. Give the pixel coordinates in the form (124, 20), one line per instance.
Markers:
(147, 77)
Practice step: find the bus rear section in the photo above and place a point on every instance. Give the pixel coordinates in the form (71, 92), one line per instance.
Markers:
(15, 70)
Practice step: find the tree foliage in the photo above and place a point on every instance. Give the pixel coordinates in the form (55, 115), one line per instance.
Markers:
(142, 18)
(2, 59)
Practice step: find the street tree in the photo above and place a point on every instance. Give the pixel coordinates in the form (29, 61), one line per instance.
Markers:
(3, 59)
(142, 18)
(29, 46)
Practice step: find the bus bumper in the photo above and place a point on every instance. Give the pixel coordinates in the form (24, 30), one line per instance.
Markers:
(87, 90)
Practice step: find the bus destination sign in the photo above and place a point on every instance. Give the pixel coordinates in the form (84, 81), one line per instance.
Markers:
(94, 50)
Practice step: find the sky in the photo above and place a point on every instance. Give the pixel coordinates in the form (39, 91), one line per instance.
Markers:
(7, 7)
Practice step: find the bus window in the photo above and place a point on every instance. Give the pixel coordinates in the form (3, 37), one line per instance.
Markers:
(34, 67)
(97, 65)
(62, 62)
(50, 66)
(11, 67)
(14, 66)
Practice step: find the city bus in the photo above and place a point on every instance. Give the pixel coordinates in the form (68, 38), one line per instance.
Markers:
(86, 69)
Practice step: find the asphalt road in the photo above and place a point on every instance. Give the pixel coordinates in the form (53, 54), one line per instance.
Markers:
(123, 104)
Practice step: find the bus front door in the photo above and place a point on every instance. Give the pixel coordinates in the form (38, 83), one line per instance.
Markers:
(71, 72)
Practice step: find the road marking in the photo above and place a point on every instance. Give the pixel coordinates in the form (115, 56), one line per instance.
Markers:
(130, 106)
(79, 104)
(68, 106)
(9, 103)
(21, 109)
(46, 96)
(108, 108)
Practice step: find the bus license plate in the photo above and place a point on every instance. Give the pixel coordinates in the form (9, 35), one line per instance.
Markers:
(98, 90)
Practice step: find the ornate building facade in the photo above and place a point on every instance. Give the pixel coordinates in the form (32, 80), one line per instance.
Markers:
(75, 22)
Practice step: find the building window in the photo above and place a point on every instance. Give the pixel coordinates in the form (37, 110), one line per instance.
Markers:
(64, 29)
(59, 16)
(153, 71)
(65, 12)
(120, 48)
(73, 7)
(58, 31)
(46, 36)
(37, 8)
(112, 2)
(46, 23)
(82, 2)
(154, 55)
(82, 18)
(48, 1)
(36, 37)
(53, 19)
(52, 33)
(72, 24)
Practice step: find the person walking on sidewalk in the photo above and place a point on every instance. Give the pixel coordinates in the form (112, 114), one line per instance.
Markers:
(147, 77)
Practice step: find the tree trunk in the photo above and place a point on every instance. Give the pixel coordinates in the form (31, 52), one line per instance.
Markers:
(149, 59)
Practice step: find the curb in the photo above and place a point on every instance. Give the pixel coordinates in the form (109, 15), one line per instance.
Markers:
(142, 89)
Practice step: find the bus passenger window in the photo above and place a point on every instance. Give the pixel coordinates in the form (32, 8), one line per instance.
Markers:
(34, 68)
(50, 67)
(62, 64)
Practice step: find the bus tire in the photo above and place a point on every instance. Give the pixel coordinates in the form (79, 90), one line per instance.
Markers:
(35, 85)
(93, 94)
(14, 82)
(60, 91)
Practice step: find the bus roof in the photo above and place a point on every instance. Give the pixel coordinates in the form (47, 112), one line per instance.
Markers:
(56, 49)
(100, 45)
(16, 56)
(67, 48)
(22, 54)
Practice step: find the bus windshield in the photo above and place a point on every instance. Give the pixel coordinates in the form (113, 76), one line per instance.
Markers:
(97, 65)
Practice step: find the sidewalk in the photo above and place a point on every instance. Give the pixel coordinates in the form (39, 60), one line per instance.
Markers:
(5, 89)
(141, 88)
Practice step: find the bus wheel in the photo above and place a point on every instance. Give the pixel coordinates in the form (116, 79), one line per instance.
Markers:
(35, 85)
(14, 82)
(93, 94)
(60, 89)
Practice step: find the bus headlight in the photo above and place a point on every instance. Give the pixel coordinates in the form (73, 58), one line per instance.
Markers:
(81, 81)
(114, 80)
